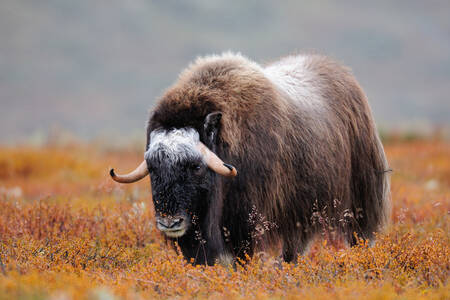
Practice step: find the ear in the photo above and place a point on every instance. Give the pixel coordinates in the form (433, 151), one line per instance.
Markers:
(211, 126)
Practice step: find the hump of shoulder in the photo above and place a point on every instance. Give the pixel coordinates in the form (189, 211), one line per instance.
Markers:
(206, 69)
(228, 82)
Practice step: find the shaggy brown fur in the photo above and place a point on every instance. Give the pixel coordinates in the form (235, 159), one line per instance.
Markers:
(302, 168)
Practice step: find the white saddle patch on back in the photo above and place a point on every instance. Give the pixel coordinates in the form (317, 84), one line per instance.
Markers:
(293, 76)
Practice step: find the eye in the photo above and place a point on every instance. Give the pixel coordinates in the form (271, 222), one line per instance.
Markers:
(197, 168)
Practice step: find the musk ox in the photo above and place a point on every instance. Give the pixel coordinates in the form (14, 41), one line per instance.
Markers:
(301, 154)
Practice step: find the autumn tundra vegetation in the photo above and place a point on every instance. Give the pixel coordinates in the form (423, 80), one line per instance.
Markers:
(68, 232)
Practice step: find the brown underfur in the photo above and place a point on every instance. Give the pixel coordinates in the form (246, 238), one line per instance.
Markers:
(303, 171)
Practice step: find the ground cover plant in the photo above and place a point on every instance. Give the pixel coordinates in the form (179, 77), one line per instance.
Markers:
(68, 232)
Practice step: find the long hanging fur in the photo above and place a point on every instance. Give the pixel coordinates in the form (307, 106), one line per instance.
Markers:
(301, 134)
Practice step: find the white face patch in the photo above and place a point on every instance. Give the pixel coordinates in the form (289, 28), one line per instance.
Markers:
(177, 144)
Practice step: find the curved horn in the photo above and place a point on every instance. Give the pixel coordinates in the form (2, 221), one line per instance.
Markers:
(140, 172)
(215, 163)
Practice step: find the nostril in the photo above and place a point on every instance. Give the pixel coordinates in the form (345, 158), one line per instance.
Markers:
(162, 223)
(177, 222)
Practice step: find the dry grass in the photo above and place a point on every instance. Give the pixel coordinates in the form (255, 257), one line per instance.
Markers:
(68, 232)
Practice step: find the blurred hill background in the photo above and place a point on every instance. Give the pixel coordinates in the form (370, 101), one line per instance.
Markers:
(94, 68)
